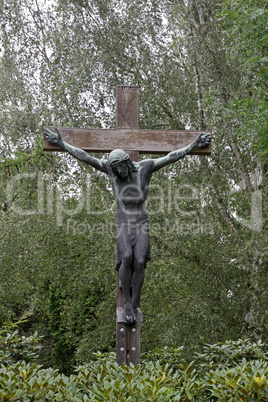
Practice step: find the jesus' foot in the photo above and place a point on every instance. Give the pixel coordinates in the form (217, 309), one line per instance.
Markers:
(130, 314)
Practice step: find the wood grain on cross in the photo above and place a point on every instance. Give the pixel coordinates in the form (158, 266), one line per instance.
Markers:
(130, 138)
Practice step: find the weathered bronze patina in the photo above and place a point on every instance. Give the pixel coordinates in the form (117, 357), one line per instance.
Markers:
(130, 181)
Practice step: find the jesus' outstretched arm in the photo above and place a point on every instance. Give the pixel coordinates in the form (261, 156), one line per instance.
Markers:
(201, 141)
(80, 154)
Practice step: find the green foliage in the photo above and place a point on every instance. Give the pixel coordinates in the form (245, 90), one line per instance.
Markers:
(166, 355)
(15, 348)
(104, 380)
(246, 382)
(29, 382)
(231, 353)
(246, 28)
(152, 382)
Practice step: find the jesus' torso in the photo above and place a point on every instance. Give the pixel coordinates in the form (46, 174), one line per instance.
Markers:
(131, 192)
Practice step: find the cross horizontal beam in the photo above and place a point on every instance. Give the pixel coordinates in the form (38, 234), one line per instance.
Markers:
(143, 141)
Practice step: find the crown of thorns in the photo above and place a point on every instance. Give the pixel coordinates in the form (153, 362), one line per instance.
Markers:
(117, 156)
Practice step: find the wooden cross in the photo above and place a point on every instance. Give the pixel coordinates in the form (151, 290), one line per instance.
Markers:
(130, 138)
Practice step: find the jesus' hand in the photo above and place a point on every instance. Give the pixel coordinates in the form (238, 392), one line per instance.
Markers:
(203, 140)
(53, 138)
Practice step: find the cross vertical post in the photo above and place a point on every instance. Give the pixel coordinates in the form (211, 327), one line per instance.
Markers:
(127, 336)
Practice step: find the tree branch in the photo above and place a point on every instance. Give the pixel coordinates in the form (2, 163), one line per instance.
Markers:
(240, 164)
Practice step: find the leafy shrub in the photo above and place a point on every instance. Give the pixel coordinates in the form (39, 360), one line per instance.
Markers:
(29, 382)
(164, 355)
(104, 380)
(247, 381)
(153, 382)
(16, 348)
(231, 353)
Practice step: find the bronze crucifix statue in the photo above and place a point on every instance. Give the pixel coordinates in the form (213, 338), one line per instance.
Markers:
(130, 182)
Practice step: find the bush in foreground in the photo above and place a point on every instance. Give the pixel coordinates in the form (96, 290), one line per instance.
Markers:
(222, 373)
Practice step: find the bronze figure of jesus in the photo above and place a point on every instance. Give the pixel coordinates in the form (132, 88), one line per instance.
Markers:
(130, 183)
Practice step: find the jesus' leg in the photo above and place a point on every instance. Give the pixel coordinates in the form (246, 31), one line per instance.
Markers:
(140, 252)
(125, 278)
